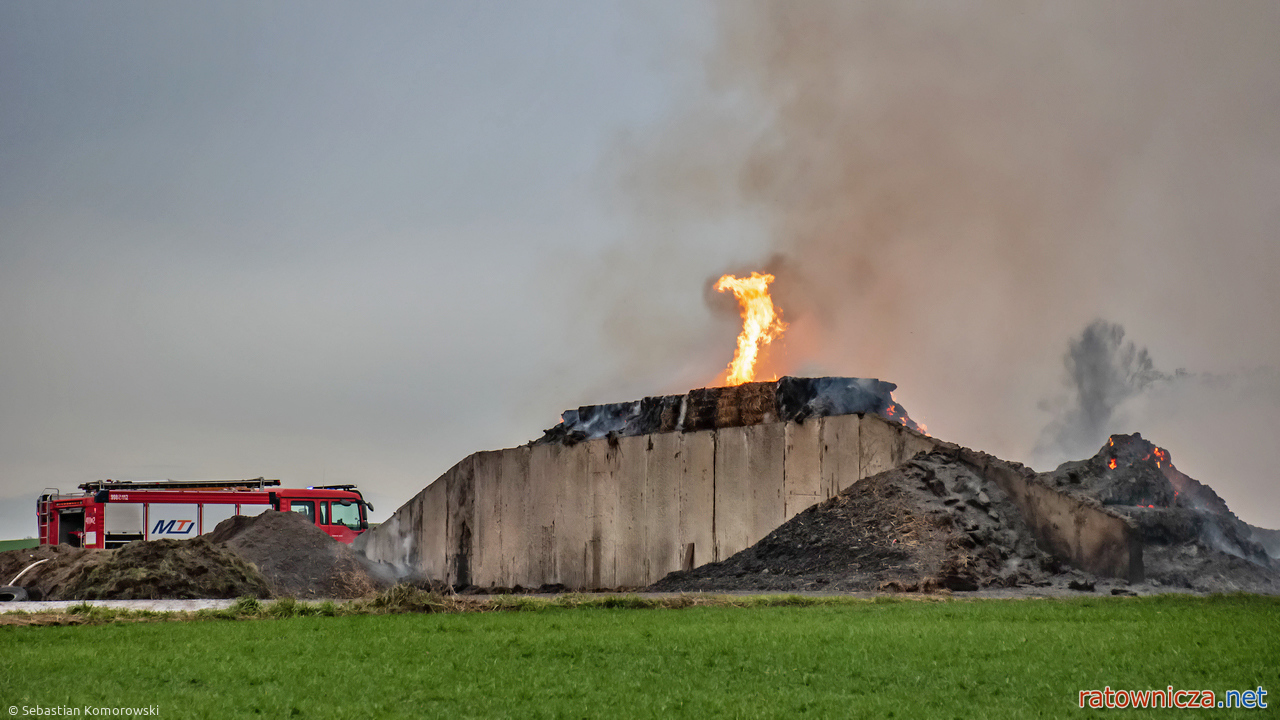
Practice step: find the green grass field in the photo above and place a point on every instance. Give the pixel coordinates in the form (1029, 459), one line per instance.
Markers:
(905, 659)
(6, 545)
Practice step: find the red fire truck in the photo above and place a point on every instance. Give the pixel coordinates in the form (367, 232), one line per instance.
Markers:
(108, 514)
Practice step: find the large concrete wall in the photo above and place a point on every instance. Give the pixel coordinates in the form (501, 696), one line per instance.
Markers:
(624, 512)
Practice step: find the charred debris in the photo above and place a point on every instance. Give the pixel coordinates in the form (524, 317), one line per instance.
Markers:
(787, 399)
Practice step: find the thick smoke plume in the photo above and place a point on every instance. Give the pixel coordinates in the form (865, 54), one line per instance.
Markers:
(956, 187)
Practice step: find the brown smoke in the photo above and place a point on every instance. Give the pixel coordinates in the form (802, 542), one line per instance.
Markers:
(956, 188)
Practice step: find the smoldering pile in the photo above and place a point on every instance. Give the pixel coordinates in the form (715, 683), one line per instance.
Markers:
(938, 523)
(1191, 539)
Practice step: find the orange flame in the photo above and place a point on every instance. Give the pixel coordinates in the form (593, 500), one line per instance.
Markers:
(1161, 456)
(1112, 464)
(891, 412)
(761, 323)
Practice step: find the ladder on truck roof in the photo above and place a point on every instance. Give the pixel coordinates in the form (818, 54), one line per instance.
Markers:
(254, 484)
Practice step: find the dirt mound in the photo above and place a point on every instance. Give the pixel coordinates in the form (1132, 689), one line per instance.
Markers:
(169, 569)
(931, 523)
(47, 580)
(297, 558)
(274, 553)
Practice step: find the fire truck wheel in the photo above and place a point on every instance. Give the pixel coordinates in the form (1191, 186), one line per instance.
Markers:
(12, 593)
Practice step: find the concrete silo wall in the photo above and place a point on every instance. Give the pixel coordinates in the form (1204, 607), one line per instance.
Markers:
(624, 512)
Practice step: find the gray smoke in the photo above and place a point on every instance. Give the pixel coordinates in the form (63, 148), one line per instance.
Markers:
(1218, 427)
(1102, 372)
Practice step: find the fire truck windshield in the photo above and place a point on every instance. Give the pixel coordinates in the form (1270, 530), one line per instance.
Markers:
(346, 512)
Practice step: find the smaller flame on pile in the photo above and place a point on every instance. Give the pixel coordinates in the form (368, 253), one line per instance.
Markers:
(892, 413)
(1157, 455)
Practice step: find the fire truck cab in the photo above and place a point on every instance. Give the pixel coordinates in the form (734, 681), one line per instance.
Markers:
(108, 514)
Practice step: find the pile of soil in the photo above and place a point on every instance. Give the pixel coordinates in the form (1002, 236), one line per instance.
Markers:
(160, 569)
(297, 558)
(272, 554)
(932, 523)
(47, 580)
(168, 569)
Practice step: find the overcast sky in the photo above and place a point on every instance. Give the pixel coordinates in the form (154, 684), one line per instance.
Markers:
(356, 242)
